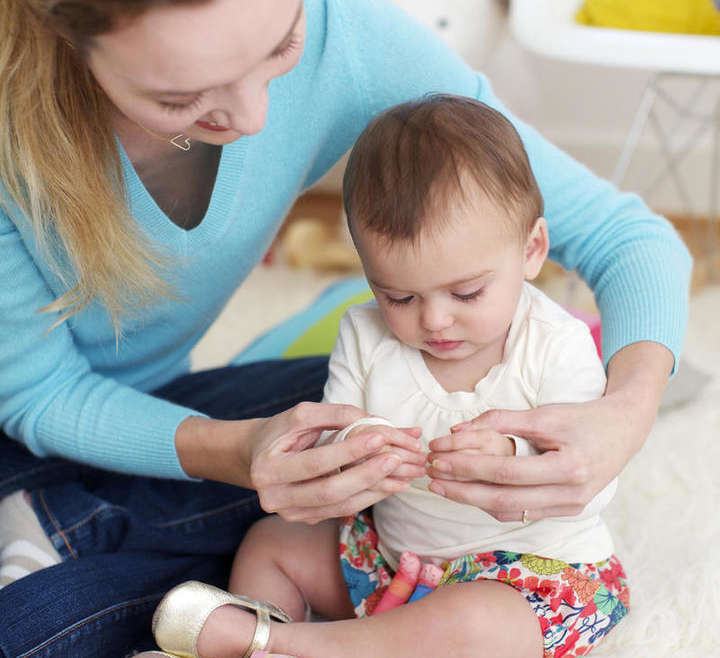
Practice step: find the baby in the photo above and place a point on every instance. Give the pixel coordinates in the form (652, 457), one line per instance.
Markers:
(447, 218)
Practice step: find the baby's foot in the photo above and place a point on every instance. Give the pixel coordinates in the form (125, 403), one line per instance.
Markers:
(228, 632)
(197, 619)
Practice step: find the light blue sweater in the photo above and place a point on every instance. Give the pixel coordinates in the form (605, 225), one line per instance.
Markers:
(71, 393)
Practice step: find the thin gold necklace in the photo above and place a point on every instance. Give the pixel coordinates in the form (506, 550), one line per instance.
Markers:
(179, 141)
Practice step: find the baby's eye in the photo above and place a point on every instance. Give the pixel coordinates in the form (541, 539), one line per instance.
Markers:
(399, 302)
(285, 49)
(468, 297)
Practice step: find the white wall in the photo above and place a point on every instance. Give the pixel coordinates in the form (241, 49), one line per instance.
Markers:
(587, 110)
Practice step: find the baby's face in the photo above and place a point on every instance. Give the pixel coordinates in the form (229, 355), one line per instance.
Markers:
(454, 293)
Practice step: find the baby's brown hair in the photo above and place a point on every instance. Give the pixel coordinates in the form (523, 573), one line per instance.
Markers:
(412, 159)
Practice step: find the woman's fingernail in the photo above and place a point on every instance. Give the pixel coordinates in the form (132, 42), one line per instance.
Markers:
(390, 464)
(436, 488)
(375, 443)
(441, 466)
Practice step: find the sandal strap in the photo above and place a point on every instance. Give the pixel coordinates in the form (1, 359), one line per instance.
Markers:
(262, 632)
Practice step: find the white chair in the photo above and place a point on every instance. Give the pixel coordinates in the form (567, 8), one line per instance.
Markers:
(548, 27)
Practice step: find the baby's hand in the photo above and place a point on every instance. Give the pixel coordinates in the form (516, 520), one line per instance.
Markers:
(469, 443)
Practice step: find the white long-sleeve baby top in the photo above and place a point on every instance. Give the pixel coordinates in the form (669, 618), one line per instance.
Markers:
(549, 357)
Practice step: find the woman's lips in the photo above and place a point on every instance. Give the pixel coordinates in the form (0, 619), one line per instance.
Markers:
(209, 126)
(444, 345)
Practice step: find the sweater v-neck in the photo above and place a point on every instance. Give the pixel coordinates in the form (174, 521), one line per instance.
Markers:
(161, 229)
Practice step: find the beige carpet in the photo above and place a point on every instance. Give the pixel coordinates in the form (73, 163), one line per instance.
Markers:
(665, 516)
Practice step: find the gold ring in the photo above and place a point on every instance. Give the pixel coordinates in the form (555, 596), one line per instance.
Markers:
(525, 518)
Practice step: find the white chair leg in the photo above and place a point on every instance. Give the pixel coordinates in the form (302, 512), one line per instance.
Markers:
(636, 130)
(713, 265)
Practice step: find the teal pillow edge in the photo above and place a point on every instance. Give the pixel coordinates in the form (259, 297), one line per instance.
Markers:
(275, 341)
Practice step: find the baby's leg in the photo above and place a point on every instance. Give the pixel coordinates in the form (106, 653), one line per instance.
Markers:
(481, 618)
(291, 565)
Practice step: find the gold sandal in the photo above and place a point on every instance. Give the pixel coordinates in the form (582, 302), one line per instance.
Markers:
(183, 611)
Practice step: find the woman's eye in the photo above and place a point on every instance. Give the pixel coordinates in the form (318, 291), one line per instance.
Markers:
(469, 296)
(180, 107)
(399, 302)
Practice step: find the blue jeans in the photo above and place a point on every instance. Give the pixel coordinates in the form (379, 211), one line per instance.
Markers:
(126, 540)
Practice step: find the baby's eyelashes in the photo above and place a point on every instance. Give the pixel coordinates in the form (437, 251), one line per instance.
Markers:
(399, 301)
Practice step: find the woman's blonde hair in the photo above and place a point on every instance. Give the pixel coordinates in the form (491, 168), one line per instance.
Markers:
(59, 161)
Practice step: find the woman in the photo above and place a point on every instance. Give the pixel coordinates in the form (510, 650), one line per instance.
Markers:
(149, 152)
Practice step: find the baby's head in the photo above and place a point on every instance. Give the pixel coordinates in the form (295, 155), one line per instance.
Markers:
(446, 215)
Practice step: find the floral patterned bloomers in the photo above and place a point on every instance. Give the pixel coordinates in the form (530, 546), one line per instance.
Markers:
(576, 604)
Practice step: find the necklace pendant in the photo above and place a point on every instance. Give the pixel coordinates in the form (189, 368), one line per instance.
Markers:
(184, 145)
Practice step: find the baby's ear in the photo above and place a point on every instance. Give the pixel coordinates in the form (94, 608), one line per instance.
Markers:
(536, 248)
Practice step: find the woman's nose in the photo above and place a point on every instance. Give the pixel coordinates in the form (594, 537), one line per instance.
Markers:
(244, 108)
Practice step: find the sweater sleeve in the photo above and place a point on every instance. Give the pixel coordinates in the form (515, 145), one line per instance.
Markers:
(632, 259)
(53, 402)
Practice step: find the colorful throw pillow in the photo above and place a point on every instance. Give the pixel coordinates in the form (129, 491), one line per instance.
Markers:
(313, 330)
(679, 16)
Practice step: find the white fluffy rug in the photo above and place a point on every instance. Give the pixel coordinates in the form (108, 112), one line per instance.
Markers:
(664, 516)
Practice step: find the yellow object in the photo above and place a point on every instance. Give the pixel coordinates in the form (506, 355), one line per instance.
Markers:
(679, 16)
(308, 242)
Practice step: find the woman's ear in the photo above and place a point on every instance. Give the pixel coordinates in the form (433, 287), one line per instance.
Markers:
(536, 248)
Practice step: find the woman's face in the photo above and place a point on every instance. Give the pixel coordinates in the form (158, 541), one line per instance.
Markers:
(202, 70)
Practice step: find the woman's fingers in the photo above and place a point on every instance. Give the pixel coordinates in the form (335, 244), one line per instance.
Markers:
(547, 468)
(298, 428)
(508, 503)
(314, 462)
(287, 467)
(329, 490)
(347, 507)
(401, 437)
(300, 482)
(360, 501)
(539, 425)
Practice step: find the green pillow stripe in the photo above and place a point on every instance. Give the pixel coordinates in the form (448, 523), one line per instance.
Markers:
(313, 330)
(320, 338)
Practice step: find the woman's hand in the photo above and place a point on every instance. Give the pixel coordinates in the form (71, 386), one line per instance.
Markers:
(411, 461)
(304, 483)
(299, 482)
(584, 446)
